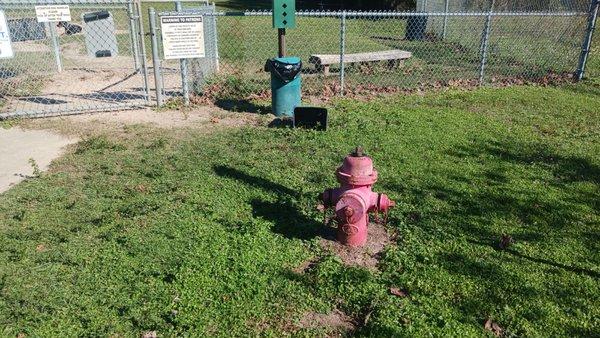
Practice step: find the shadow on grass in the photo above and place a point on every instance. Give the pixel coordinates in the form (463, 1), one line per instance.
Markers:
(574, 269)
(541, 198)
(241, 105)
(287, 219)
(565, 169)
(591, 88)
(254, 181)
(240, 5)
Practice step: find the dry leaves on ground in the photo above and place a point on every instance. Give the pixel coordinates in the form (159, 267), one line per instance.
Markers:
(398, 292)
(490, 325)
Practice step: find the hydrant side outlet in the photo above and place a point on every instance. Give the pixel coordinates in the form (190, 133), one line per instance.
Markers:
(354, 199)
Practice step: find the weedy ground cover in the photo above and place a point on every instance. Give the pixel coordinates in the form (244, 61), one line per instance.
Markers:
(189, 232)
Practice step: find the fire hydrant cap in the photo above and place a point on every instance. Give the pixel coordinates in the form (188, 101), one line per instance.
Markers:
(357, 169)
(351, 207)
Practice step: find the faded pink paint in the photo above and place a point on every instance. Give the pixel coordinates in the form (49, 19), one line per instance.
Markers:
(354, 199)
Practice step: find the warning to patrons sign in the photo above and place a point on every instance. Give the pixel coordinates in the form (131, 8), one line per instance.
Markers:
(182, 37)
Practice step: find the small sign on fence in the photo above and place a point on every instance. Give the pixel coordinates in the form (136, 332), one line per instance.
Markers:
(182, 37)
(53, 13)
(6, 50)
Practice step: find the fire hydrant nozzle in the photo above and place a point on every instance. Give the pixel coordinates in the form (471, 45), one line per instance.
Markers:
(354, 199)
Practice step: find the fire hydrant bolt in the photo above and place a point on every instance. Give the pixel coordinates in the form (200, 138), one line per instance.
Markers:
(354, 199)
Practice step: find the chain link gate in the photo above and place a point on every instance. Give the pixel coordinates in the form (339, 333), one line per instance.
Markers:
(93, 62)
(182, 78)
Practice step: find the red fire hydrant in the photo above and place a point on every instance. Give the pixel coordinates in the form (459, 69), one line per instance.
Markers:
(354, 199)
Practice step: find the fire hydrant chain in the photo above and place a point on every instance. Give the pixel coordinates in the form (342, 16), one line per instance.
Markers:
(354, 199)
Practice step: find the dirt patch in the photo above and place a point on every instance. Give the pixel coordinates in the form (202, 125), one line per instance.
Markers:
(160, 119)
(366, 256)
(31, 46)
(207, 118)
(306, 266)
(337, 321)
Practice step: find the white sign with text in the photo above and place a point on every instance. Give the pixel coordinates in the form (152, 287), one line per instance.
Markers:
(6, 50)
(182, 37)
(53, 13)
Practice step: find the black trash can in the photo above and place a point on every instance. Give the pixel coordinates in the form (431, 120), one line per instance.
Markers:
(415, 28)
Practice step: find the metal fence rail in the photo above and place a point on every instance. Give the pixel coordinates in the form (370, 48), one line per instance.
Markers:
(55, 71)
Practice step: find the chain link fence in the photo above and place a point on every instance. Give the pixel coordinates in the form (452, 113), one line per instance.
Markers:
(102, 59)
(379, 52)
(92, 62)
(593, 68)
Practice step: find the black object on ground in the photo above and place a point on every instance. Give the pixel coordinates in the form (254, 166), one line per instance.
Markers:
(70, 29)
(25, 29)
(310, 118)
(415, 28)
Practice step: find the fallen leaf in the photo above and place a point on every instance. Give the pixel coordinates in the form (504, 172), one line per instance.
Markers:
(398, 292)
(506, 241)
(141, 188)
(150, 334)
(494, 327)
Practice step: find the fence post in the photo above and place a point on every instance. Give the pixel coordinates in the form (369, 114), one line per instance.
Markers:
(342, 52)
(587, 41)
(155, 57)
(142, 45)
(446, 7)
(55, 44)
(132, 32)
(484, 44)
(184, 69)
(216, 36)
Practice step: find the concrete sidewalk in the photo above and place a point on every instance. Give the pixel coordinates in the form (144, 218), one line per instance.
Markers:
(18, 146)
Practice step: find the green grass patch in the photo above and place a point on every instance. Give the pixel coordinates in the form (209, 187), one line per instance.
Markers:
(199, 233)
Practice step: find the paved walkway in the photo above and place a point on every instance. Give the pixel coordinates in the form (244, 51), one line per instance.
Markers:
(17, 146)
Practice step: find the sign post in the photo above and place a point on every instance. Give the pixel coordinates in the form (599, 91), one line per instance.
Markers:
(53, 13)
(284, 16)
(6, 51)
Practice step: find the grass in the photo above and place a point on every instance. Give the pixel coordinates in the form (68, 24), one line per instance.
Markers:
(188, 232)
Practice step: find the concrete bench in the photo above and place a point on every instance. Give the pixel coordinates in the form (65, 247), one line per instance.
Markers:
(324, 61)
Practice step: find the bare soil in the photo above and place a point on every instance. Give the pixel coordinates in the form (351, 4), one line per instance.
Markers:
(366, 256)
(336, 321)
(205, 118)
